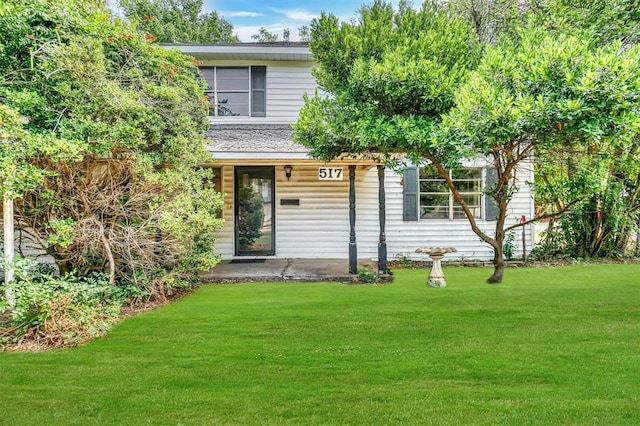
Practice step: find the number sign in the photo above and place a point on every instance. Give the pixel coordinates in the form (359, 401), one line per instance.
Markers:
(330, 173)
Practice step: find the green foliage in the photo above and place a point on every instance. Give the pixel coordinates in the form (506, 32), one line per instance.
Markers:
(604, 21)
(509, 245)
(251, 216)
(416, 82)
(403, 261)
(264, 36)
(492, 19)
(62, 231)
(112, 129)
(58, 311)
(390, 75)
(549, 93)
(178, 21)
(366, 274)
(18, 146)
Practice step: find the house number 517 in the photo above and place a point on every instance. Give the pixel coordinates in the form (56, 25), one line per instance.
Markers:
(330, 173)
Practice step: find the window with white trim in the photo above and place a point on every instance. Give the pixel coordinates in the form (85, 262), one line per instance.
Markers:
(426, 194)
(236, 91)
(436, 200)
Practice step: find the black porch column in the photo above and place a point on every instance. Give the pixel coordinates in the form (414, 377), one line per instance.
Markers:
(382, 241)
(353, 249)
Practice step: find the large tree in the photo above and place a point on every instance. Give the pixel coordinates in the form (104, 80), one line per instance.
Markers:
(131, 200)
(178, 21)
(603, 220)
(544, 93)
(408, 82)
(491, 19)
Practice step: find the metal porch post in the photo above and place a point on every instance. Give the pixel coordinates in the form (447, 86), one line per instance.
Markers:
(353, 249)
(382, 241)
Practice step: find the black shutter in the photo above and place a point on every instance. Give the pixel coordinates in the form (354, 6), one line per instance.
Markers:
(411, 194)
(258, 91)
(491, 208)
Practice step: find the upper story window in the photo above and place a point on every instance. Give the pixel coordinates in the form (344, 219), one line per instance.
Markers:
(236, 91)
(426, 194)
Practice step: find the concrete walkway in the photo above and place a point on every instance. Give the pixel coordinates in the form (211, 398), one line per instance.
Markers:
(282, 270)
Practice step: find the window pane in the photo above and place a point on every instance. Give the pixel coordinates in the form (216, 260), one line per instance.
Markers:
(258, 103)
(207, 74)
(236, 79)
(458, 213)
(434, 194)
(258, 91)
(468, 180)
(434, 186)
(473, 201)
(259, 78)
(469, 173)
(434, 212)
(429, 172)
(233, 103)
(434, 206)
(468, 185)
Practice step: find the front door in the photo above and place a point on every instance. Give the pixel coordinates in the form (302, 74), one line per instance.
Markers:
(255, 211)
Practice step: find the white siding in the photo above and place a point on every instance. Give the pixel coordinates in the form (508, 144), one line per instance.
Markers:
(286, 86)
(404, 237)
(287, 82)
(319, 226)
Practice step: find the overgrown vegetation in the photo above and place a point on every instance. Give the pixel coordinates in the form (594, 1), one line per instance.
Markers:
(131, 202)
(52, 311)
(102, 134)
(178, 21)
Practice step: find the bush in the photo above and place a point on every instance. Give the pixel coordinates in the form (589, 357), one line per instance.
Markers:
(366, 274)
(52, 311)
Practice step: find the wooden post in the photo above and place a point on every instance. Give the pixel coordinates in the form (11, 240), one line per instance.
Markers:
(353, 249)
(382, 241)
(8, 250)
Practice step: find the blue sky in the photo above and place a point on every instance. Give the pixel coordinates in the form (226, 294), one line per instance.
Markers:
(247, 16)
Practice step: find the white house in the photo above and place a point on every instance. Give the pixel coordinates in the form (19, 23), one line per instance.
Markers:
(281, 203)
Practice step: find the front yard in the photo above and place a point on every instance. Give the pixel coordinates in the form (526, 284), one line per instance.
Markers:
(548, 346)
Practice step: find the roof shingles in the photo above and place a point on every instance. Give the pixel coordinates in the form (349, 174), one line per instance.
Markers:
(256, 138)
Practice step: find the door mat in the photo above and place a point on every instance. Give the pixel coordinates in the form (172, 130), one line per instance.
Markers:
(248, 261)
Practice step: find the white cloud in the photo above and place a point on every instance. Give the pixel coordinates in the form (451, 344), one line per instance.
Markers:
(299, 15)
(240, 14)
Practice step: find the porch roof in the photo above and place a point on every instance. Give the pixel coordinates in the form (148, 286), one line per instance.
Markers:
(254, 141)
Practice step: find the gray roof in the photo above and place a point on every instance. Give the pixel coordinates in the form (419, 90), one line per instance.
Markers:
(252, 138)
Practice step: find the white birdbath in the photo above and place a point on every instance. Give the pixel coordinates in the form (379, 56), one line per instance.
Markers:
(436, 276)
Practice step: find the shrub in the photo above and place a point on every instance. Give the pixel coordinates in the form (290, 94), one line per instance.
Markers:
(366, 274)
(53, 311)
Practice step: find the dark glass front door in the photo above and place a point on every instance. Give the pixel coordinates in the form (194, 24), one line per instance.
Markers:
(255, 209)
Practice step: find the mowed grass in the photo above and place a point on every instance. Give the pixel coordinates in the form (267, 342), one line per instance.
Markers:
(548, 346)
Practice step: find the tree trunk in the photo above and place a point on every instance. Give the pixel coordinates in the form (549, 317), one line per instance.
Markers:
(64, 267)
(498, 265)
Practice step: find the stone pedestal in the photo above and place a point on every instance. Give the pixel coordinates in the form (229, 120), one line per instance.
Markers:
(436, 276)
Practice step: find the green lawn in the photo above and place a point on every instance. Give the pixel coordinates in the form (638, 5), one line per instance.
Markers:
(548, 346)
